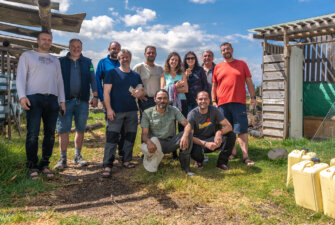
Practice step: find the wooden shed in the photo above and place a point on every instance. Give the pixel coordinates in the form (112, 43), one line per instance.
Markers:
(11, 47)
(298, 56)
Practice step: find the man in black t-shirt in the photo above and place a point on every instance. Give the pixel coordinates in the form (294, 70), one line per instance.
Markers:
(206, 138)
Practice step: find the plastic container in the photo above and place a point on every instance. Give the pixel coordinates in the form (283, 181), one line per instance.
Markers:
(332, 162)
(297, 156)
(306, 182)
(327, 181)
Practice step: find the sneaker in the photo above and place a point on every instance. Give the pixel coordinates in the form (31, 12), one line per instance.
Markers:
(78, 160)
(198, 165)
(223, 167)
(61, 164)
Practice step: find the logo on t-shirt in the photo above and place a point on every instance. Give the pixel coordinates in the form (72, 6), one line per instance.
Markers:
(44, 60)
(206, 124)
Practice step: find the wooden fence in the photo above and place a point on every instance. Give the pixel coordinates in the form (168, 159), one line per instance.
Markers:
(320, 60)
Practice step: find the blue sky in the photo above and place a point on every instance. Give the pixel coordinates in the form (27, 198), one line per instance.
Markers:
(183, 25)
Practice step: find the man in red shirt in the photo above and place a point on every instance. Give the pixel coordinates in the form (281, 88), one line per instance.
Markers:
(229, 94)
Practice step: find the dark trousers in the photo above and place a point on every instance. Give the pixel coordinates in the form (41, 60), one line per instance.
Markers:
(228, 142)
(127, 120)
(45, 108)
(173, 143)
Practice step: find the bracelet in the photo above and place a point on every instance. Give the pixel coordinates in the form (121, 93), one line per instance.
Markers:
(205, 143)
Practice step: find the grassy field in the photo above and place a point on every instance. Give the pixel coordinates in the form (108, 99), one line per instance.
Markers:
(244, 195)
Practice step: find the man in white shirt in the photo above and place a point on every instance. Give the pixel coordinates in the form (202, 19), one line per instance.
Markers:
(40, 89)
(150, 74)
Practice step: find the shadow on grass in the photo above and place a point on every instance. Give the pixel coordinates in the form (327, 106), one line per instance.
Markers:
(90, 190)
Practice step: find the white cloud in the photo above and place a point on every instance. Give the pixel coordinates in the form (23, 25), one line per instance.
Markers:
(141, 18)
(256, 72)
(202, 1)
(234, 38)
(64, 5)
(99, 26)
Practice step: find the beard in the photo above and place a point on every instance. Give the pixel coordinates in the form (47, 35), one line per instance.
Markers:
(227, 55)
(162, 105)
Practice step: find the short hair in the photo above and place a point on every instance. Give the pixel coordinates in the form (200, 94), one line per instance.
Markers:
(209, 51)
(115, 43)
(161, 90)
(202, 92)
(149, 46)
(226, 43)
(75, 39)
(179, 68)
(43, 32)
(122, 52)
(196, 65)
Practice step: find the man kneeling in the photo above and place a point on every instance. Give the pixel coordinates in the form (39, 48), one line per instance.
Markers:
(204, 120)
(160, 121)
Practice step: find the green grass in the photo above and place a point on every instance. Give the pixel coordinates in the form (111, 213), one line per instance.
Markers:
(255, 195)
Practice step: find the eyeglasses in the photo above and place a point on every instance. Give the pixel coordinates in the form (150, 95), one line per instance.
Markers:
(190, 58)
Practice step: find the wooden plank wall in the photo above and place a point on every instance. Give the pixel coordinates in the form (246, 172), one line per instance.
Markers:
(273, 88)
(320, 60)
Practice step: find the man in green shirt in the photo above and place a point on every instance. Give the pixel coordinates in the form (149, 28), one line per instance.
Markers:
(160, 121)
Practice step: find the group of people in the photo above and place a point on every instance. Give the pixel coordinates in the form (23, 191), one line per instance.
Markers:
(206, 103)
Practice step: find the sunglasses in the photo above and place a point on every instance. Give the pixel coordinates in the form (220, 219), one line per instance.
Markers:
(190, 58)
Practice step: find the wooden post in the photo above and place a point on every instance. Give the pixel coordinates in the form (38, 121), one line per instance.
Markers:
(9, 95)
(286, 81)
(45, 14)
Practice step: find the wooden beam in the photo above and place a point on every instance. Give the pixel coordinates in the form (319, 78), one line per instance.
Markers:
(18, 30)
(54, 5)
(30, 17)
(45, 14)
(286, 82)
(31, 44)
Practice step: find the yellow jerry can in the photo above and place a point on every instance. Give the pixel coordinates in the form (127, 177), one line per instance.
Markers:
(297, 156)
(332, 162)
(306, 183)
(327, 181)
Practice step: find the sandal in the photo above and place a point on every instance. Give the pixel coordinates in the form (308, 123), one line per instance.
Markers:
(248, 161)
(233, 156)
(47, 172)
(128, 165)
(33, 174)
(107, 172)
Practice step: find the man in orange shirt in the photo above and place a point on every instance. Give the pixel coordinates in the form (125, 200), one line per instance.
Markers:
(229, 94)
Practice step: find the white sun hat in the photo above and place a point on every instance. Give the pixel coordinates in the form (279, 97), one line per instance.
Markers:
(151, 160)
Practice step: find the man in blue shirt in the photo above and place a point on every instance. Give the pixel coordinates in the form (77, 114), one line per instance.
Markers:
(78, 77)
(107, 64)
(121, 87)
(104, 66)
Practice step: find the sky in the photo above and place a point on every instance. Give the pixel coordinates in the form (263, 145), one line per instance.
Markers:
(183, 25)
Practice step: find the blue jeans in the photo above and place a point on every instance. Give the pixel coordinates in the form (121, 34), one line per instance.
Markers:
(236, 114)
(78, 109)
(45, 108)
